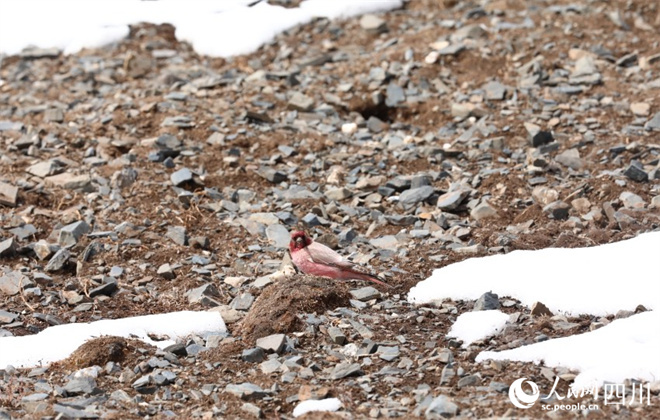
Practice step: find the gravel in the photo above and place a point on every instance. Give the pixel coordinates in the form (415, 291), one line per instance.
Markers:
(143, 178)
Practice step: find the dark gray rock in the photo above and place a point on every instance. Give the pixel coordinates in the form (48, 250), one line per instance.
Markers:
(365, 294)
(242, 302)
(345, 370)
(71, 234)
(83, 385)
(108, 287)
(58, 261)
(253, 355)
(487, 302)
(246, 391)
(205, 294)
(8, 247)
(272, 175)
(413, 196)
(635, 172)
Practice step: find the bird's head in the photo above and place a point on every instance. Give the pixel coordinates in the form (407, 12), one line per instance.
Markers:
(299, 240)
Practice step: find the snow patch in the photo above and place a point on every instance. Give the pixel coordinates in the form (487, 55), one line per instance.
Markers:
(598, 280)
(58, 342)
(472, 326)
(625, 348)
(328, 404)
(218, 28)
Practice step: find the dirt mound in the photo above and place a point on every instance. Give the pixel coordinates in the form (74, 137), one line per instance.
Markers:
(99, 351)
(278, 308)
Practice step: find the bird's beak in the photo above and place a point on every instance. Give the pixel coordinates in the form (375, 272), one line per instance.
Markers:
(299, 240)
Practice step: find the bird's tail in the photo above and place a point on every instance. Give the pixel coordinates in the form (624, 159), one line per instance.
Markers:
(370, 277)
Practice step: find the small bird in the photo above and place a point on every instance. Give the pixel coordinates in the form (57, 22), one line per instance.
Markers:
(317, 259)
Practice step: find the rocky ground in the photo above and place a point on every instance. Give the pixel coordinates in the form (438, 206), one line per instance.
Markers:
(143, 178)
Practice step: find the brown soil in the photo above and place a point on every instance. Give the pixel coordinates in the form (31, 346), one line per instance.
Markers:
(279, 307)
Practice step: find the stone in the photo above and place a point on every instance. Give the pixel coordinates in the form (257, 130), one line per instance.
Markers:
(570, 158)
(640, 109)
(124, 178)
(631, 200)
(469, 380)
(177, 234)
(441, 406)
(582, 205)
(181, 177)
(8, 194)
(365, 294)
(58, 261)
(204, 294)
(301, 102)
(415, 195)
(84, 385)
(69, 181)
(654, 123)
(71, 234)
(8, 317)
(43, 169)
(372, 23)
(537, 136)
(557, 210)
(166, 271)
(54, 115)
(375, 124)
(539, 309)
(8, 247)
(585, 65)
(486, 302)
(242, 302)
(544, 195)
(483, 211)
(338, 194)
(270, 366)
(272, 175)
(462, 110)
(246, 391)
(108, 287)
(389, 353)
(253, 355)
(273, 343)
(336, 335)
(452, 199)
(345, 370)
(12, 282)
(252, 410)
(635, 172)
(385, 242)
(278, 235)
(394, 95)
(495, 91)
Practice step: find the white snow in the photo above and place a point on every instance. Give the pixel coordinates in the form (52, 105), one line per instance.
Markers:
(472, 326)
(597, 280)
(217, 28)
(328, 404)
(58, 342)
(626, 348)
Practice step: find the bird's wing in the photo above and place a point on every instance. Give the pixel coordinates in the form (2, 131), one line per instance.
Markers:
(321, 254)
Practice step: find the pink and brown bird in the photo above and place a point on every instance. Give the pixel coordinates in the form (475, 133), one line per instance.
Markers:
(317, 259)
